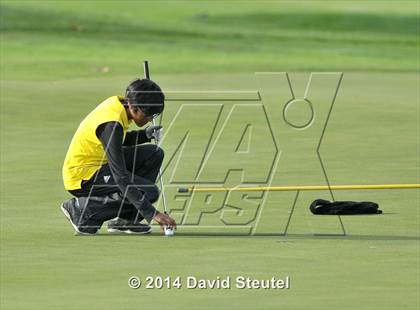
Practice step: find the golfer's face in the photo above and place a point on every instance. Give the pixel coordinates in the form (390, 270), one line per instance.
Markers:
(140, 119)
(138, 116)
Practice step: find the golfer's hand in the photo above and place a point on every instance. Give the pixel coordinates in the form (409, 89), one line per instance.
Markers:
(164, 220)
(154, 131)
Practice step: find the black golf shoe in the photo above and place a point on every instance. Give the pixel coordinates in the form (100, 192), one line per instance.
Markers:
(118, 226)
(73, 213)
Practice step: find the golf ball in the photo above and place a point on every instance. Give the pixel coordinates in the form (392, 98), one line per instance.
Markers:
(169, 231)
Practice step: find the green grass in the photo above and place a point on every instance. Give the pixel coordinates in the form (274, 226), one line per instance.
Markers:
(78, 38)
(50, 79)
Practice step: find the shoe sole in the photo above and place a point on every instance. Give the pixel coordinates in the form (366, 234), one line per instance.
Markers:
(130, 232)
(67, 215)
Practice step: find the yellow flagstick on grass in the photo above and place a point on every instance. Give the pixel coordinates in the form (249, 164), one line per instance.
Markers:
(298, 188)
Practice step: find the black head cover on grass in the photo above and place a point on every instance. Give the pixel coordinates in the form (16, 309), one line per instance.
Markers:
(326, 207)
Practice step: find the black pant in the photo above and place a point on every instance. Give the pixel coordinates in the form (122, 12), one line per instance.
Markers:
(102, 198)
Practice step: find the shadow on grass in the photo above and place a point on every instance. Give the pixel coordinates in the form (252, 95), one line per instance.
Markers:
(255, 26)
(374, 23)
(272, 235)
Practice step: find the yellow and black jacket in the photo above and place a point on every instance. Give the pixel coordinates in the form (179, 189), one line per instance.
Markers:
(86, 153)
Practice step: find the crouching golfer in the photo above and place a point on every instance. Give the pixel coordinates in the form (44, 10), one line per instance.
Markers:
(110, 171)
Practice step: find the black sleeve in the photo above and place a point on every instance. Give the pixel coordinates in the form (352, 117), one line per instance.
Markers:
(111, 135)
(135, 137)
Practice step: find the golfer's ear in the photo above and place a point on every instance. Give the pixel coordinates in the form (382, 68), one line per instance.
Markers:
(133, 109)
